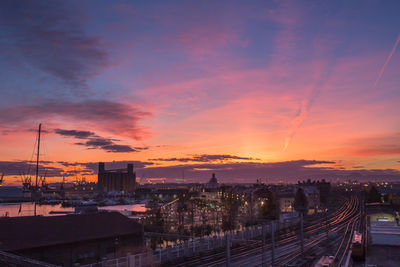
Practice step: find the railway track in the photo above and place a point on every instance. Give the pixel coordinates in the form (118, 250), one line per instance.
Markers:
(344, 241)
(287, 243)
(289, 259)
(347, 239)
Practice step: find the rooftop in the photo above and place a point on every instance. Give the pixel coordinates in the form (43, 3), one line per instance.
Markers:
(384, 230)
(17, 233)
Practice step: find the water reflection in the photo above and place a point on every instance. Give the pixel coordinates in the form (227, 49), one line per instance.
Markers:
(28, 209)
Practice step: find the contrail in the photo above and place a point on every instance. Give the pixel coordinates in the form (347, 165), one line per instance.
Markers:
(295, 124)
(324, 73)
(387, 61)
(302, 114)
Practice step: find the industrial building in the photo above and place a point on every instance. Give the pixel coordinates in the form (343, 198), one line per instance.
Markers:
(119, 180)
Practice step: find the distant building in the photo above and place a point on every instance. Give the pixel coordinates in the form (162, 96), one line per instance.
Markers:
(211, 195)
(262, 193)
(71, 239)
(213, 183)
(323, 187)
(313, 198)
(392, 195)
(286, 201)
(120, 180)
(170, 194)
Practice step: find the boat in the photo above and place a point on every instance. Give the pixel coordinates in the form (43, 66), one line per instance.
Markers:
(90, 202)
(61, 212)
(71, 203)
(30, 190)
(50, 202)
(108, 202)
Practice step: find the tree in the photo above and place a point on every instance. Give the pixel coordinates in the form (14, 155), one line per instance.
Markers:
(269, 208)
(181, 209)
(230, 203)
(373, 195)
(203, 207)
(154, 222)
(300, 202)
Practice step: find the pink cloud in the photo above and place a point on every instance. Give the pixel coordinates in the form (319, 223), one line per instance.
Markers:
(108, 116)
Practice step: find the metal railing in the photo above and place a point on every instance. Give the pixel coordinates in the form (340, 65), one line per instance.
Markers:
(9, 259)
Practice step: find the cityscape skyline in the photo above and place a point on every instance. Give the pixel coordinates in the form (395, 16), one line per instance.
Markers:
(248, 91)
(199, 133)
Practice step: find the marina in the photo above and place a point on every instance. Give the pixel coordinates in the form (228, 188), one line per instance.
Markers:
(28, 209)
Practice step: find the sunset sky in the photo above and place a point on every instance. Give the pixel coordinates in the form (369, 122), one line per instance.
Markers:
(278, 90)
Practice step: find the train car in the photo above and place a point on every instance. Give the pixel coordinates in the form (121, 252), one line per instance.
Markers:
(326, 261)
(357, 247)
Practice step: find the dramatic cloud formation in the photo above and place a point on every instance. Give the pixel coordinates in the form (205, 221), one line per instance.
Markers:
(205, 158)
(48, 36)
(94, 166)
(288, 171)
(74, 133)
(109, 145)
(242, 172)
(69, 164)
(381, 145)
(27, 168)
(223, 86)
(94, 141)
(107, 115)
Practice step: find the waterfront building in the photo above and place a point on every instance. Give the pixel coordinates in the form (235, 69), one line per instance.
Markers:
(117, 180)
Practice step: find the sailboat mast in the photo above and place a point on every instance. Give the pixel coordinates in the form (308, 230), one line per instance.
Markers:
(37, 156)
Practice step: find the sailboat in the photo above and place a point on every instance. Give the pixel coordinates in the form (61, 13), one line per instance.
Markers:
(26, 185)
(30, 190)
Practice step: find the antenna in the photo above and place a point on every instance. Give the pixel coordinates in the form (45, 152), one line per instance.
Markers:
(37, 156)
(62, 183)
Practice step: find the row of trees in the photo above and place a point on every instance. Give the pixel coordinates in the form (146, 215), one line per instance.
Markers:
(269, 210)
(187, 207)
(373, 196)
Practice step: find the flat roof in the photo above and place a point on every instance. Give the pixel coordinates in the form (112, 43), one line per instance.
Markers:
(384, 230)
(17, 233)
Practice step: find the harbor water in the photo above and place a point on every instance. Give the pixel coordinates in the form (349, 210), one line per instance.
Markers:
(28, 209)
(12, 207)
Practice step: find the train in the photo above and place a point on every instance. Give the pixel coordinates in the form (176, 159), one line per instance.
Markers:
(358, 247)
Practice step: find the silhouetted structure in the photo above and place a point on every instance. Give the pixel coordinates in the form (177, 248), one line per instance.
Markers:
(213, 183)
(374, 195)
(323, 186)
(116, 180)
(300, 202)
